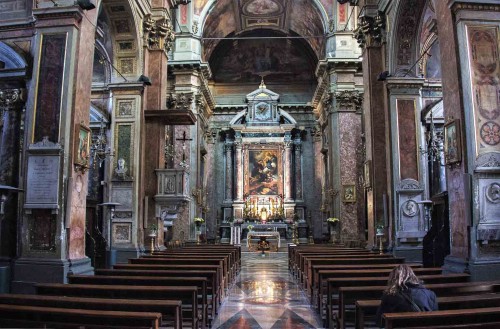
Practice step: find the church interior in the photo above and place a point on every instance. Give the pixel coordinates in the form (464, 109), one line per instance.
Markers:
(261, 151)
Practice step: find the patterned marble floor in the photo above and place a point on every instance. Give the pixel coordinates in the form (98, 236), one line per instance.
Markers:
(266, 296)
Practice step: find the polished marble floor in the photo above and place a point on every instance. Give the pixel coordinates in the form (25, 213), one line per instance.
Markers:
(265, 296)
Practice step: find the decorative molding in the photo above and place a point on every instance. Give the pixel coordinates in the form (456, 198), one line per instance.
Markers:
(349, 100)
(370, 31)
(457, 6)
(491, 163)
(11, 98)
(180, 101)
(158, 34)
(410, 185)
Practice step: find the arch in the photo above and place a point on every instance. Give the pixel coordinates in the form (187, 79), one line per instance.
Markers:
(11, 58)
(125, 36)
(288, 117)
(405, 31)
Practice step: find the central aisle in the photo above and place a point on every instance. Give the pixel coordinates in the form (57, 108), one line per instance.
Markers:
(265, 296)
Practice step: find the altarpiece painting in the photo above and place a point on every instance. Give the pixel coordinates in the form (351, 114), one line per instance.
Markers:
(263, 171)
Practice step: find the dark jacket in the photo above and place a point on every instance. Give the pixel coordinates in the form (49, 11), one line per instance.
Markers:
(424, 298)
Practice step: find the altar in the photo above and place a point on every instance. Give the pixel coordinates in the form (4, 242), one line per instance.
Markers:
(281, 228)
(262, 235)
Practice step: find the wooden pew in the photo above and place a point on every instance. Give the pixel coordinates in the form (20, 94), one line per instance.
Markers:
(349, 295)
(169, 309)
(229, 263)
(464, 318)
(188, 267)
(187, 294)
(334, 284)
(309, 262)
(37, 316)
(367, 309)
(200, 282)
(186, 261)
(212, 286)
(324, 275)
(312, 282)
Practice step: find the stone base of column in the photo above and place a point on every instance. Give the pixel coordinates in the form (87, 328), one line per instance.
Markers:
(29, 271)
(454, 264)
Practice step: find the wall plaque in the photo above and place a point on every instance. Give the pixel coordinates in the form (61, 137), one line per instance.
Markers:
(43, 181)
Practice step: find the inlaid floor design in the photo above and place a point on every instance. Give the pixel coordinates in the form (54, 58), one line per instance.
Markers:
(265, 296)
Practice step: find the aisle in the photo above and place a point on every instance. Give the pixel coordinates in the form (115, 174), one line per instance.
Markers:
(265, 296)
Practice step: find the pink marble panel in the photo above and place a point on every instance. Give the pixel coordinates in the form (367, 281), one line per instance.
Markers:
(408, 160)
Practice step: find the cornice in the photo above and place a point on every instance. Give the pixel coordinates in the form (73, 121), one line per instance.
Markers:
(404, 83)
(483, 5)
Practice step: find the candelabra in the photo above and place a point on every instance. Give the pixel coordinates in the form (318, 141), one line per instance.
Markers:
(99, 149)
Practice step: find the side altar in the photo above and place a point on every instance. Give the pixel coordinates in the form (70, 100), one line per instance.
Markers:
(263, 173)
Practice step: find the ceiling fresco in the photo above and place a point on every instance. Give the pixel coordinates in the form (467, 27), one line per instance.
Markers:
(278, 60)
(289, 17)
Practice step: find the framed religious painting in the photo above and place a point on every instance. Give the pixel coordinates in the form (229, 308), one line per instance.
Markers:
(348, 193)
(263, 171)
(452, 142)
(81, 154)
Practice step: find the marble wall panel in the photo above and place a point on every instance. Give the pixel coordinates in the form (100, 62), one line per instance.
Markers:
(408, 159)
(50, 84)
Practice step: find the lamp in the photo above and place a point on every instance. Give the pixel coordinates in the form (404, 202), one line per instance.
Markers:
(111, 259)
(383, 76)
(99, 150)
(145, 80)
(86, 4)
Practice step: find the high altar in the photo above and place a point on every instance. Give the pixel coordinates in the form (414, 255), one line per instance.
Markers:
(263, 155)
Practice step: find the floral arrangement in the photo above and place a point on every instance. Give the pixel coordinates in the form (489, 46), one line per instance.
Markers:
(250, 227)
(332, 220)
(198, 221)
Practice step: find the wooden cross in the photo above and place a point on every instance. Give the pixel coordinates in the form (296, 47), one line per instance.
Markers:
(184, 139)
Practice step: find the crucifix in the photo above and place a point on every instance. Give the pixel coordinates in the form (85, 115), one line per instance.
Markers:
(184, 139)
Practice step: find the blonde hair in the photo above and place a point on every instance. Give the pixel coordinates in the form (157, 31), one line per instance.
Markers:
(399, 278)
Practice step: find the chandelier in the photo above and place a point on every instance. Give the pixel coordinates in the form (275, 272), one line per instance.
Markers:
(99, 149)
(434, 143)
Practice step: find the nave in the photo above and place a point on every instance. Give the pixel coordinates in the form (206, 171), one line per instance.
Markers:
(265, 295)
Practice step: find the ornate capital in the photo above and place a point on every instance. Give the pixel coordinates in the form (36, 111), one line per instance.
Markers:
(159, 34)
(180, 101)
(349, 99)
(11, 98)
(370, 31)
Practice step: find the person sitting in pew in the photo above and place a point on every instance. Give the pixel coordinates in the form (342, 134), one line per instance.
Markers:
(405, 293)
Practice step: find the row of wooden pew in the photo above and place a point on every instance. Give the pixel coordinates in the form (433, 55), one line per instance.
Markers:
(345, 286)
(173, 288)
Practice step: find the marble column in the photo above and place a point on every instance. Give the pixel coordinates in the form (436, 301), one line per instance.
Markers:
(287, 171)
(298, 170)
(229, 172)
(375, 115)
(239, 171)
(11, 104)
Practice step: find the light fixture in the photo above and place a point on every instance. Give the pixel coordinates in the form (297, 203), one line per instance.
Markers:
(86, 4)
(383, 76)
(434, 143)
(99, 150)
(145, 80)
